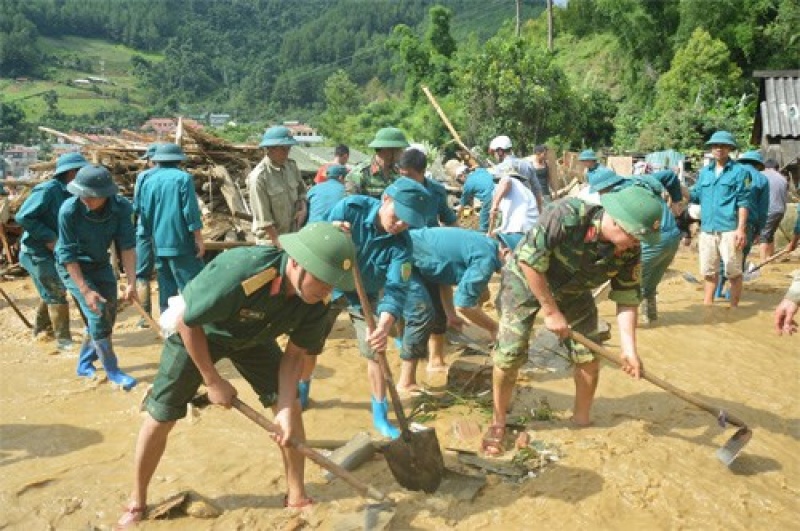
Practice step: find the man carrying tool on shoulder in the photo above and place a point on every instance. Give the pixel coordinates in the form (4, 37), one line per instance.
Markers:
(574, 248)
(236, 308)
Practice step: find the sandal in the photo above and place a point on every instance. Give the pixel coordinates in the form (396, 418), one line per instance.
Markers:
(492, 443)
(302, 504)
(133, 515)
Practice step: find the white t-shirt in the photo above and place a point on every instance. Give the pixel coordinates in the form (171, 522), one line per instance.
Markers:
(518, 208)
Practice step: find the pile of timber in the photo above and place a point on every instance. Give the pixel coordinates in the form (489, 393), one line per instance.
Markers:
(219, 168)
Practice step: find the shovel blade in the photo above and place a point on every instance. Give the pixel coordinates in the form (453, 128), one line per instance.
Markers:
(415, 460)
(730, 451)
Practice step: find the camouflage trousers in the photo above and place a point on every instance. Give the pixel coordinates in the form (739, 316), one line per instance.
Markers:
(518, 310)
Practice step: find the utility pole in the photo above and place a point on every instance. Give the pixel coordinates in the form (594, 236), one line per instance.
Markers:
(518, 17)
(550, 26)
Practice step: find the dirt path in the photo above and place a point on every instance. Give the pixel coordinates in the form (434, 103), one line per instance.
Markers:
(66, 444)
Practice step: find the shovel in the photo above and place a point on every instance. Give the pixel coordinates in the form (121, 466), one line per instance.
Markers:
(730, 450)
(367, 491)
(16, 310)
(414, 458)
(749, 273)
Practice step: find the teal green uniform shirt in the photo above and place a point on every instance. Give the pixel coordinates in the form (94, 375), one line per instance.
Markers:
(565, 246)
(758, 185)
(438, 209)
(168, 211)
(84, 236)
(480, 184)
(451, 256)
(322, 197)
(39, 216)
(384, 259)
(233, 319)
(720, 197)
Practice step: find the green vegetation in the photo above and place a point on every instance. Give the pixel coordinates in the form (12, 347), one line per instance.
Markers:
(635, 74)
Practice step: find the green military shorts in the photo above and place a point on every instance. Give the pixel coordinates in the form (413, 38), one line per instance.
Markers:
(178, 379)
(518, 309)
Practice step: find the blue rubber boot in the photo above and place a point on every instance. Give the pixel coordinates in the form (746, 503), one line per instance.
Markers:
(398, 342)
(86, 359)
(109, 359)
(720, 285)
(303, 390)
(380, 420)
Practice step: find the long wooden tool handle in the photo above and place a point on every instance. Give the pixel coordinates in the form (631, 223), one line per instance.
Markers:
(768, 260)
(14, 307)
(146, 316)
(380, 357)
(666, 386)
(367, 491)
(444, 118)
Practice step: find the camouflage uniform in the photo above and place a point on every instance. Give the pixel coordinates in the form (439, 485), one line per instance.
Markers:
(368, 179)
(565, 246)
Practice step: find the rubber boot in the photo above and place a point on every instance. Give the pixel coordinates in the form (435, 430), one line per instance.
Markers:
(380, 420)
(720, 285)
(652, 309)
(303, 390)
(143, 290)
(106, 352)
(41, 323)
(59, 316)
(86, 359)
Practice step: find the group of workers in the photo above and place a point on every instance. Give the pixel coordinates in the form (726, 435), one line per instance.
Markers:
(385, 224)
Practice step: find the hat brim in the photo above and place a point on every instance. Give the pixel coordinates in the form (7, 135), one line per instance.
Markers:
(604, 185)
(84, 191)
(168, 158)
(413, 219)
(71, 166)
(715, 141)
(388, 145)
(278, 143)
(338, 278)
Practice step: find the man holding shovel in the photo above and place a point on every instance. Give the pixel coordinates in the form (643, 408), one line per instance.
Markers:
(573, 249)
(236, 308)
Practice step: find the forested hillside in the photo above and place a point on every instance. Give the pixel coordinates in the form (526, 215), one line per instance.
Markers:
(637, 74)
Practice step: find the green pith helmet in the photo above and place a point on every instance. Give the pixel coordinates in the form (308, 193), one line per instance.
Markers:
(604, 179)
(277, 136)
(325, 251)
(93, 181)
(587, 154)
(411, 200)
(752, 156)
(168, 153)
(637, 210)
(336, 171)
(69, 161)
(389, 137)
(723, 138)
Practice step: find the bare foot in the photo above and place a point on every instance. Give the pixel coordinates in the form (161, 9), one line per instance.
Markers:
(409, 390)
(580, 423)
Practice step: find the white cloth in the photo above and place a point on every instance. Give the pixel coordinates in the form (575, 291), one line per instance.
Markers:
(518, 208)
(174, 312)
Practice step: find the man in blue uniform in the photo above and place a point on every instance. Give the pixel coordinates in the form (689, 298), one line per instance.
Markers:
(724, 199)
(323, 196)
(170, 218)
(379, 232)
(39, 217)
(588, 159)
(236, 308)
(449, 256)
(476, 183)
(145, 261)
(87, 225)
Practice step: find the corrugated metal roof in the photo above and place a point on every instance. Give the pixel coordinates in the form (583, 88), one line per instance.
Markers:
(780, 106)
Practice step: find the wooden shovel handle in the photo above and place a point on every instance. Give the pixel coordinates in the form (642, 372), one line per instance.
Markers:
(146, 316)
(380, 357)
(367, 491)
(14, 307)
(601, 351)
(768, 260)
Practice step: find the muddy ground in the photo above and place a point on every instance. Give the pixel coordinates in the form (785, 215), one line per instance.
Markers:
(66, 444)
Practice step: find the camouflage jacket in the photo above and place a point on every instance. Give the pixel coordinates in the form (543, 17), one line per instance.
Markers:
(367, 179)
(565, 245)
